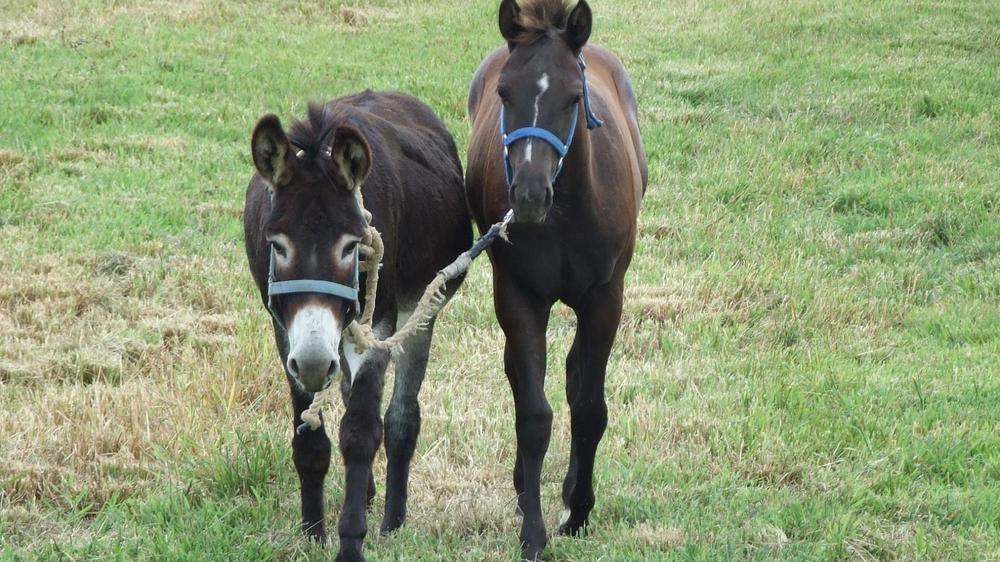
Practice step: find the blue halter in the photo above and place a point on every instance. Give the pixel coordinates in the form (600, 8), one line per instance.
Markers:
(561, 147)
(346, 292)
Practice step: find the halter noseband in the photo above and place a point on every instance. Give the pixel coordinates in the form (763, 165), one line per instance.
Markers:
(561, 147)
(296, 286)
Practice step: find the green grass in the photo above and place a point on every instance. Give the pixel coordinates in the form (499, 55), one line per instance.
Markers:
(807, 365)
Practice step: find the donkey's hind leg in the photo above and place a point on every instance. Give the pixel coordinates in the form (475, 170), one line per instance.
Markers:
(402, 424)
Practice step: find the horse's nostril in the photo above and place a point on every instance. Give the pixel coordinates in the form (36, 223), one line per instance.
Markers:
(293, 367)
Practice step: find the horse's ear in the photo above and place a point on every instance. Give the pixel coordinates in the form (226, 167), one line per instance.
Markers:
(352, 156)
(270, 150)
(509, 28)
(578, 26)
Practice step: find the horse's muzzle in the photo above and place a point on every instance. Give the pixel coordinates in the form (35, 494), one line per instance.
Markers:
(531, 203)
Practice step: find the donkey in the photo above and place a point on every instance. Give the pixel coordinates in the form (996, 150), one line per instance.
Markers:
(302, 226)
(575, 185)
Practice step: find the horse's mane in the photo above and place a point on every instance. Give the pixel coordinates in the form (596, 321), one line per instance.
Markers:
(537, 17)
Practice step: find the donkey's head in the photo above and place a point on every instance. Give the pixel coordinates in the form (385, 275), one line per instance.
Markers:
(314, 229)
(541, 87)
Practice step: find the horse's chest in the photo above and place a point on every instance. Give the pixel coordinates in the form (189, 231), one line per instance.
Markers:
(559, 267)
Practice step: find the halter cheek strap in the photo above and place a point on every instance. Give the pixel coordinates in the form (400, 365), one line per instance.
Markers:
(561, 147)
(346, 292)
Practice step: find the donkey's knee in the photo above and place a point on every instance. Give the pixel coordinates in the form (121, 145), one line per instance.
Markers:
(402, 428)
(360, 437)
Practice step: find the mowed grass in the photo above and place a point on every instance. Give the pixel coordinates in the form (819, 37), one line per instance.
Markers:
(807, 367)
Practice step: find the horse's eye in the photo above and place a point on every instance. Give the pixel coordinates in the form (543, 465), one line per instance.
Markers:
(576, 99)
(502, 92)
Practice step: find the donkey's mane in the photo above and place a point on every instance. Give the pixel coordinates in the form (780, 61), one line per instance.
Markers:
(537, 17)
(311, 134)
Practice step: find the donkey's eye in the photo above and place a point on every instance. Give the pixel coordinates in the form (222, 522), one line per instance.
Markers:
(349, 249)
(279, 249)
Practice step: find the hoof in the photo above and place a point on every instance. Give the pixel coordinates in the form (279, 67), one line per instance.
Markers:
(570, 528)
(532, 553)
(349, 557)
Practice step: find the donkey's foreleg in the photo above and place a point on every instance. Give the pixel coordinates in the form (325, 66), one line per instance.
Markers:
(524, 321)
(311, 453)
(360, 437)
(597, 324)
(402, 424)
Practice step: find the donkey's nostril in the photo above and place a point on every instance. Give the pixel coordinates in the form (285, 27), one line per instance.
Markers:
(293, 367)
(332, 370)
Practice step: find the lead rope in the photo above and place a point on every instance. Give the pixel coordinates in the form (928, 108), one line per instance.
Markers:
(361, 333)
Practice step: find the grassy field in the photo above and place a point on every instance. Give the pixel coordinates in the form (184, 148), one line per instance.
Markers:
(807, 368)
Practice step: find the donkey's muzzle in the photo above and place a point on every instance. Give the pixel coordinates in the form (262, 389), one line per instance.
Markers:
(313, 364)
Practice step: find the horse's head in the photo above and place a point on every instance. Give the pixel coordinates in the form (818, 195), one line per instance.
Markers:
(314, 229)
(541, 87)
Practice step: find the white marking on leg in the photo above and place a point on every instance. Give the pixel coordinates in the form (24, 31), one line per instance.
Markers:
(401, 317)
(354, 359)
(564, 516)
(543, 86)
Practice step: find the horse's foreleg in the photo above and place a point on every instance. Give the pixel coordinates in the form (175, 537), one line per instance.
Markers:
(597, 324)
(402, 424)
(524, 321)
(360, 437)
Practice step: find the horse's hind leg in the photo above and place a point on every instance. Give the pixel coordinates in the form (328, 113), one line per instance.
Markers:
(597, 324)
(402, 424)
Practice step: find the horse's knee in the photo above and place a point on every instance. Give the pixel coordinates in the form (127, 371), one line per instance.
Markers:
(534, 428)
(589, 420)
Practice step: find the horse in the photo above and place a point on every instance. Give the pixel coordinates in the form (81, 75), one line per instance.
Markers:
(575, 186)
(302, 225)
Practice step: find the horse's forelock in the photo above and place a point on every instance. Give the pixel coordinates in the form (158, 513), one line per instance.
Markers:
(538, 17)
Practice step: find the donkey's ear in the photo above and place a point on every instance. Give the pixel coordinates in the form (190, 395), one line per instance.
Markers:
(352, 156)
(578, 26)
(270, 150)
(509, 28)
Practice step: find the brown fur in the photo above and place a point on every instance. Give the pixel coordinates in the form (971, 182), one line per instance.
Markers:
(572, 238)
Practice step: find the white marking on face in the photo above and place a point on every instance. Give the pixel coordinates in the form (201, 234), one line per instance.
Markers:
(543, 86)
(314, 333)
(341, 245)
(286, 243)
(354, 359)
